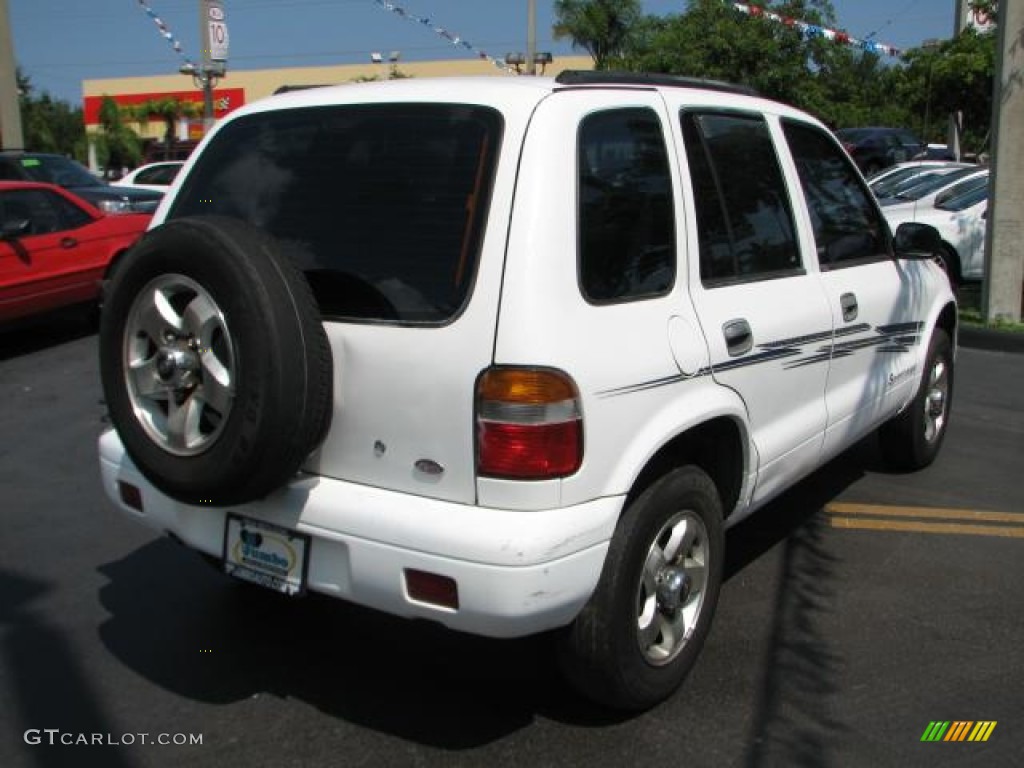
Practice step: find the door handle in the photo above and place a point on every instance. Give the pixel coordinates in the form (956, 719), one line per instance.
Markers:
(849, 304)
(739, 339)
(68, 242)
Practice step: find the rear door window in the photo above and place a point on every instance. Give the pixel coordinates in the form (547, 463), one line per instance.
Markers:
(382, 206)
(626, 215)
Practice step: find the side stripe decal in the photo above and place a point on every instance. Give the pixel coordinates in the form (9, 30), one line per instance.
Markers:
(897, 338)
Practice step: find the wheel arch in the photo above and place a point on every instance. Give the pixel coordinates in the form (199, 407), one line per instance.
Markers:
(719, 446)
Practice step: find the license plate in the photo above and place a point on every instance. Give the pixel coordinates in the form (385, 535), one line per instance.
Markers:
(266, 554)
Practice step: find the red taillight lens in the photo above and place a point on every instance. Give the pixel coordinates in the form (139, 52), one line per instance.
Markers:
(529, 424)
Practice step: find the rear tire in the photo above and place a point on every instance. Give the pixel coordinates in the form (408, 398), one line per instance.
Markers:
(641, 631)
(912, 440)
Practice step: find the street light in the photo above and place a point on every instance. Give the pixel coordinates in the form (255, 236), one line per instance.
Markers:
(517, 59)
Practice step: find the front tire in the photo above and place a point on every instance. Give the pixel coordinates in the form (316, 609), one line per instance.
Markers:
(911, 441)
(641, 631)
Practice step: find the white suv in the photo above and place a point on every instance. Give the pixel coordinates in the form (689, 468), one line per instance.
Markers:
(509, 355)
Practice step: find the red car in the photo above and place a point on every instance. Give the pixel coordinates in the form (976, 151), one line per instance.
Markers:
(55, 248)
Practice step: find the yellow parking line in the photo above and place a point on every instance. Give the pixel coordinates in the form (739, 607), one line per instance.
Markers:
(933, 513)
(867, 524)
(874, 517)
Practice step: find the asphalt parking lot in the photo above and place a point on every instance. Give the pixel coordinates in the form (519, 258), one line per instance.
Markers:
(860, 608)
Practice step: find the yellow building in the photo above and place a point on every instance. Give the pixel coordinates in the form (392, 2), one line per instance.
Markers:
(240, 87)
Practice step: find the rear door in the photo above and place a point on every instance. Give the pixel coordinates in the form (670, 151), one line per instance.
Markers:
(759, 299)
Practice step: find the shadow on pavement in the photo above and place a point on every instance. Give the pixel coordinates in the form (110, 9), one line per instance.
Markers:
(49, 689)
(50, 329)
(192, 631)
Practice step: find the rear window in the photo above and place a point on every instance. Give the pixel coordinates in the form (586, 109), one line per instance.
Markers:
(382, 206)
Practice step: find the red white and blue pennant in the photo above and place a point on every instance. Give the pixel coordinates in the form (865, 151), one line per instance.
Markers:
(451, 37)
(164, 31)
(813, 30)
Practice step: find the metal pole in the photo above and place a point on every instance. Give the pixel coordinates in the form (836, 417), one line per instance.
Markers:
(11, 136)
(206, 65)
(1002, 291)
(531, 37)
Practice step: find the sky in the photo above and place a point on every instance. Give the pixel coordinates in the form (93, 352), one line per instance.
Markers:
(60, 43)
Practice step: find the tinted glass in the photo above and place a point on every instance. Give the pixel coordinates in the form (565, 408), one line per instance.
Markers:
(382, 206)
(626, 216)
(54, 169)
(847, 226)
(886, 186)
(43, 210)
(744, 219)
(965, 199)
(928, 184)
(161, 174)
(963, 187)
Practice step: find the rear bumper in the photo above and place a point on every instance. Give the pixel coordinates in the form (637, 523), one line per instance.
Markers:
(518, 573)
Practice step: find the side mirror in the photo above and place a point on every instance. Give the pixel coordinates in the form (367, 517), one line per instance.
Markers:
(916, 241)
(14, 228)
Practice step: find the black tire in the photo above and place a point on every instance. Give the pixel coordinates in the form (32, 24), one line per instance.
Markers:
(604, 653)
(244, 361)
(911, 440)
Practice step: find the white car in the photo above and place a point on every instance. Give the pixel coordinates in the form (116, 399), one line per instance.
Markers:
(960, 216)
(886, 180)
(509, 355)
(157, 176)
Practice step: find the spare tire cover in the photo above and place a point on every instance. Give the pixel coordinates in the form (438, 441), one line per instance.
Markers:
(216, 368)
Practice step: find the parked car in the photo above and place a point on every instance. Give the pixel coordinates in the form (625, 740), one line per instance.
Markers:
(924, 187)
(888, 182)
(76, 178)
(55, 248)
(959, 213)
(875, 148)
(457, 350)
(155, 176)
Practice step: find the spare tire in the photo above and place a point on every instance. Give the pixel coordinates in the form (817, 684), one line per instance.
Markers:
(215, 365)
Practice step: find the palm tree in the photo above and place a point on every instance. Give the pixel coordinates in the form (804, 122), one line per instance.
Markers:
(601, 27)
(170, 110)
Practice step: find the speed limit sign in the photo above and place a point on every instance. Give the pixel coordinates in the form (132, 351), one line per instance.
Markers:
(216, 31)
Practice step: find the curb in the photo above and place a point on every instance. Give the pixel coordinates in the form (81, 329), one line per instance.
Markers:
(991, 339)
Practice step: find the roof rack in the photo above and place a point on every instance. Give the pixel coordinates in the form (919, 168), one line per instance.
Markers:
(290, 88)
(595, 77)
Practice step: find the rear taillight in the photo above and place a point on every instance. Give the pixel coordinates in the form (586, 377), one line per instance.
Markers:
(529, 424)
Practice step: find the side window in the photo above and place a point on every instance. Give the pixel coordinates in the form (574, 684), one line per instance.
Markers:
(161, 175)
(744, 218)
(34, 206)
(70, 215)
(627, 241)
(848, 229)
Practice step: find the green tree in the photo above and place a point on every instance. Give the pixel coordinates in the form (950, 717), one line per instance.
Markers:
(170, 110)
(601, 27)
(49, 125)
(954, 76)
(117, 145)
(714, 40)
